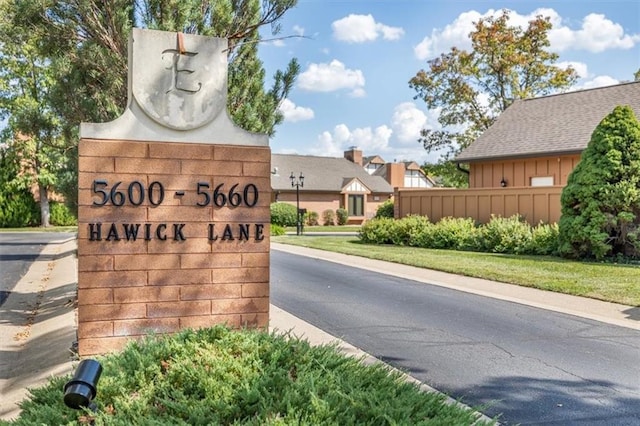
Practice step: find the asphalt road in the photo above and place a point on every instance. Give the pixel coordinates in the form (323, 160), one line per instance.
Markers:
(529, 365)
(18, 250)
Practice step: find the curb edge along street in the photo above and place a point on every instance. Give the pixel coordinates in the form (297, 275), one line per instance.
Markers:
(39, 327)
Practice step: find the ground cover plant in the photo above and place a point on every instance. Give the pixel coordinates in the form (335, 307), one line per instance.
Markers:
(248, 377)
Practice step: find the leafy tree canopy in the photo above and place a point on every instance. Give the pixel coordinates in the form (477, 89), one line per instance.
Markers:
(471, 88)
(64, 62)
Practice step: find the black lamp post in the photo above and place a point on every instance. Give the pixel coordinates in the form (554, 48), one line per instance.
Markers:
(299, 182)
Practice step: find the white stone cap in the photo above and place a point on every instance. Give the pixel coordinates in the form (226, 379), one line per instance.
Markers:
(177, 92)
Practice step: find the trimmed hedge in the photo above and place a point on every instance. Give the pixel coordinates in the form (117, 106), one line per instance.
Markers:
(500, 235)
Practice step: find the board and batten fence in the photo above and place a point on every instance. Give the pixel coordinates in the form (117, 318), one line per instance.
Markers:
(533, 204)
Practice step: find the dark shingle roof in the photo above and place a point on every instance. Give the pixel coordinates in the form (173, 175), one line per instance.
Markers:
(554, 124)
(322, 173)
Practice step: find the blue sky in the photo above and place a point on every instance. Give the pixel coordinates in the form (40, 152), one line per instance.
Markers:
(357, 57)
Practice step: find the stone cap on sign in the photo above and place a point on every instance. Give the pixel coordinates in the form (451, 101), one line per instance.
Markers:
(177, 92)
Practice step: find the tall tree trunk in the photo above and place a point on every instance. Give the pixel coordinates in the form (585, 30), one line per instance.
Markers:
(44, 206)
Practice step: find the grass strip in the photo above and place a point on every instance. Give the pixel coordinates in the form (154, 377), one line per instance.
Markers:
(604, 281)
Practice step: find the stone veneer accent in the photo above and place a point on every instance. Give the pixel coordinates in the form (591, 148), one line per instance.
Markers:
(127, 289)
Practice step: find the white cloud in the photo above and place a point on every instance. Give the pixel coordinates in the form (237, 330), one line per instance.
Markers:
(294, 113)
(407, 121)
(580, 67)
(331, 77)
(298, 30)
(599, 81)
(363, 28)
(369, 140)
(596, 34)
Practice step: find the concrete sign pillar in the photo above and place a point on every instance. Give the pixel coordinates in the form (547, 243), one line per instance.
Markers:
(173, 220)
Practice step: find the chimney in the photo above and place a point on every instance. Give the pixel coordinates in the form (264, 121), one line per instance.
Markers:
(354, 155)
(395, 174)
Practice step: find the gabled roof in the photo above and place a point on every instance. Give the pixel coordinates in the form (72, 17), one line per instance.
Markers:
(322, 173)
(555, 124)
(372, 159)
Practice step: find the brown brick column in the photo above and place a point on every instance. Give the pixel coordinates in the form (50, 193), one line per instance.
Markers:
(150, 259)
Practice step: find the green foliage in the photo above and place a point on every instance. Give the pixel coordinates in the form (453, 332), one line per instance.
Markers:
(500, 235)
(277, 230)
(342, 216)
(283, 214)
(61, 215)
(377, 231)
(506, 235)
(311, 218)
(544, 240)
(601, 201)
(219, 376)
(17, 207)
(385, 209)
(446, 174)
(328, 217)
(450, 233)
(472, 88)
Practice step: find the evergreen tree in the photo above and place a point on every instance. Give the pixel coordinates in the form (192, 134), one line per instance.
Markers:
(83, 43)
(601, 202)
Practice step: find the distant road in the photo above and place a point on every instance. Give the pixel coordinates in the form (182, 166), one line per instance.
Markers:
(18, 250)
(533, 366)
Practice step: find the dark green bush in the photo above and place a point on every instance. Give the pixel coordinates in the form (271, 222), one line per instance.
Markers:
(506, 235)
(283, 214)
(385, 209)
(216, 376)
(277, 230)
(404, 232)
(601, 201)
(328, 218)
(18, 208)
(311, 218)
(342, 216)
(60, 215)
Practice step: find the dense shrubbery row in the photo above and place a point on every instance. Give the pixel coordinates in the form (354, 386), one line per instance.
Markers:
(500, 235)
(284, 214)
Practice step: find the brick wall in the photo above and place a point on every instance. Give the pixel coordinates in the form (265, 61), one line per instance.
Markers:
(162, 264)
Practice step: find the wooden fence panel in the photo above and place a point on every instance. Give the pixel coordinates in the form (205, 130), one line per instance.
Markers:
(534, 204)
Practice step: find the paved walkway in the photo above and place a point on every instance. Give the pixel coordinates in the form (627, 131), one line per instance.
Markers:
(38, 319)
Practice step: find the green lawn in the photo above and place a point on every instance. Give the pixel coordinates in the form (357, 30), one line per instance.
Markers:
(604, 281)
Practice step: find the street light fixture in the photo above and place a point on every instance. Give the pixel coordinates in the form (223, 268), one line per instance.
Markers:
(297, 183)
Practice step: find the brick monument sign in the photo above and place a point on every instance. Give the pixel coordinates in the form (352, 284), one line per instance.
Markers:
(173, 221)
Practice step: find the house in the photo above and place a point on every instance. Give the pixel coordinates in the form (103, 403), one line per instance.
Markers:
(353, 182)
(521, 163)
(537, 142)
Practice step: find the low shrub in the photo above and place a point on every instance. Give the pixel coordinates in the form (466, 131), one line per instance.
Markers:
(328, 218)
(544, 240)
(277, 230)
(377, 231)
(311, 218)
(283, 214)
(61, 215)
(506, 235)
(385, 209)
(404, 232)
(342, 216)
(455, 233)
(219, 376)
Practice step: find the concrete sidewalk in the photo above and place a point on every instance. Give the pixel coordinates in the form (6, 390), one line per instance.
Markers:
(38, 319)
